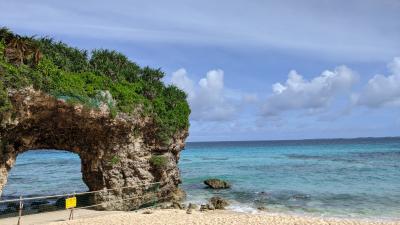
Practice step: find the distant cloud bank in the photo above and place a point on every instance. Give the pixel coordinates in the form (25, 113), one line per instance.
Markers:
(212, 101)
(298, 94)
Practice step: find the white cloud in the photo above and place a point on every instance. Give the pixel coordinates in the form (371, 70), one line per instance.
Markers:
(298, 93)
(181, 80)
(209, 99)
(382, 90)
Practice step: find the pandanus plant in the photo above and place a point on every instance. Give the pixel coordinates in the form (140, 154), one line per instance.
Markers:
(20, 50)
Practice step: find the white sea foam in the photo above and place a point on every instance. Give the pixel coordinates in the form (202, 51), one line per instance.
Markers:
(242, 208)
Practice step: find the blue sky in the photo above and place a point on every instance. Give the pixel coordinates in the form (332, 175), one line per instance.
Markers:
(253, 70)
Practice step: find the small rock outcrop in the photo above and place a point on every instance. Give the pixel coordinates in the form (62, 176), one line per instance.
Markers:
(207, 207)
(192, 206)
(177, 205)
(218, 202)
(115, 151)
(203, 208)
(217, 184)
(147, 212)
(262, 208)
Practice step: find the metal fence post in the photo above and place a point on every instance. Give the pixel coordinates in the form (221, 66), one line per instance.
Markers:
(21, 205)
(71, 215)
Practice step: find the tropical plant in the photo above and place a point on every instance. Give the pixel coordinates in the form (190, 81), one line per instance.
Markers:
(20, 50)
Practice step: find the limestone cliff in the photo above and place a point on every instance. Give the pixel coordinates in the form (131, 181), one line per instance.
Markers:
(114, 151)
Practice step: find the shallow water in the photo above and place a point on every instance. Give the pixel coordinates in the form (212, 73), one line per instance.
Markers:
(345, 178)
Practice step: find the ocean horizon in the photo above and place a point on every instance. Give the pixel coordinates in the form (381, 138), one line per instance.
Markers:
(357, 177)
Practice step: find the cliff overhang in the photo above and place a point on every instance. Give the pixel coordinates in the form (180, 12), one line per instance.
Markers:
(115, 151)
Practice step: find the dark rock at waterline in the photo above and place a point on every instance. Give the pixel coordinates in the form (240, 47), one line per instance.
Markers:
(13, 205)
(206, 207)
(218, 202)
(8, 211)
(217, 184)
(301, 196)
(36, 204)
(60, 203)
(262, 208)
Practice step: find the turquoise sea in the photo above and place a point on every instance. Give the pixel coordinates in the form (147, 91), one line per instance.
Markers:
(333, 177)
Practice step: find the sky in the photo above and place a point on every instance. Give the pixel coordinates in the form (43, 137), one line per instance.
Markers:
(253, 70)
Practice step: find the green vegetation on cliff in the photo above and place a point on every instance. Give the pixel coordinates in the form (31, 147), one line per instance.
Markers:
(159, 161)
(71, 74)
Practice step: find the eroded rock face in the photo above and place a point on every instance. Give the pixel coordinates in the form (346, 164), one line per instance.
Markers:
(218, 202)
(115, 152)
(217, 184)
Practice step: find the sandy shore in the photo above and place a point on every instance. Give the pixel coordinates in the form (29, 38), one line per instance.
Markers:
(179, 217)
(51, 217)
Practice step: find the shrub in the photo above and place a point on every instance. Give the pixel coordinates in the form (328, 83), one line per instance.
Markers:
(5, 104)
(159, 161)
(64, 57)
(114, 65)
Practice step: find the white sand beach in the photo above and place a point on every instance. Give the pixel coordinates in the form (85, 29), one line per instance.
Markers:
(217, 217)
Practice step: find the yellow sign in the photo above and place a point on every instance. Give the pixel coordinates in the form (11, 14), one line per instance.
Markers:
(70, 203)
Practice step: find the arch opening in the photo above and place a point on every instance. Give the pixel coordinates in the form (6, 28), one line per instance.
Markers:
(40, 172)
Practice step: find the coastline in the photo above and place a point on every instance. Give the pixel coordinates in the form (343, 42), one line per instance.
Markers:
(217, 217)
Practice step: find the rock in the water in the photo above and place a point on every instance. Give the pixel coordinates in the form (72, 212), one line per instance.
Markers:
(217, 184)
(262, 208)
(218, 202)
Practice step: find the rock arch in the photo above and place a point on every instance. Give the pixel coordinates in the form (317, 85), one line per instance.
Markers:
(115, 152)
